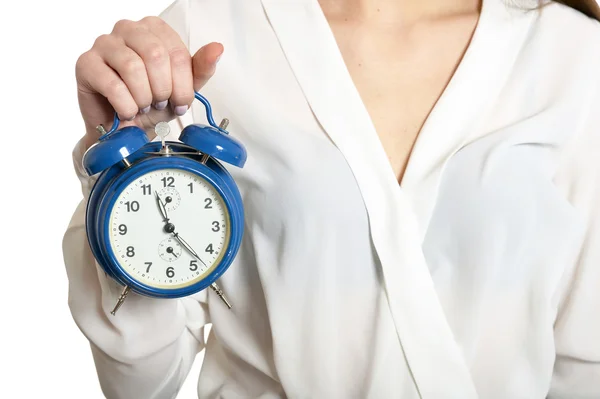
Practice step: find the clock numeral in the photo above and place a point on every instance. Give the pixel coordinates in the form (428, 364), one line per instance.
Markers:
(147, 189)
(168, 181)
(148, 268)
(122, 229)
(130, 251)
(216, 226)
(209, 249)
(208, 203)
(170, 272)
(193, 265)
(132, 206)
(191, 186)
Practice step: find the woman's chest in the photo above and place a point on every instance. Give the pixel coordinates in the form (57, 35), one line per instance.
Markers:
(489, 209)
(392, 69)
(499, 239)
(497, 223)
(477, 238)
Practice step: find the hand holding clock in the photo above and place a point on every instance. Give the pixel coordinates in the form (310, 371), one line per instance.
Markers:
(137, 70)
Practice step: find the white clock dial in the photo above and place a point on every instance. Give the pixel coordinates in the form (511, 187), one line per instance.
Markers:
(146, 246)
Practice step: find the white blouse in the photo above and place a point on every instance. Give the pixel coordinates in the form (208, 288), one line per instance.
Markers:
(477, 277)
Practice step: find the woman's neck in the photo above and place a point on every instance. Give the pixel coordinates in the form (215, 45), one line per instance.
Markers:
(400, 11)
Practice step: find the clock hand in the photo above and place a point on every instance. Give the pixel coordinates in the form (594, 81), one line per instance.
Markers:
(170, 228)
(214, 286)
(172, 252)
(162, 208)
(187, 246)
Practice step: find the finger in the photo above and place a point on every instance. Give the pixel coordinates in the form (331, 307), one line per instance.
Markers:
(155, 56)
(180, 60)
(97, 77)
(130, 67)
(204, 63)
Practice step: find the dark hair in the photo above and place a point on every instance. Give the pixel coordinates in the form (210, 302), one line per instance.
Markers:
(588, 7)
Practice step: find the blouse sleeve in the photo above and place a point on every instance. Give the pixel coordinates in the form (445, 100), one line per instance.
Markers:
(148, 348)
(577, 328)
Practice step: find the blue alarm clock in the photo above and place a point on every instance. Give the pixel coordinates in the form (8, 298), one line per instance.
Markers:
(165, 219)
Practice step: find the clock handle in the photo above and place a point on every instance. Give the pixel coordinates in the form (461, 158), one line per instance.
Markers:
(209, 116)
(114, 127)
(116, 121)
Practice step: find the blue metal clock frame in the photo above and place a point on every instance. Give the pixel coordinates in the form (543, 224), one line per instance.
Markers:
(201, 148)
(114, 180)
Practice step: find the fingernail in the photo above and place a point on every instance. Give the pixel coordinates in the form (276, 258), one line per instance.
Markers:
(145, 110)
(161, 105)
(218, 58)
(181, 110)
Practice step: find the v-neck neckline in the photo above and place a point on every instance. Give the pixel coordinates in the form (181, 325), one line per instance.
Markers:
(398, 215)
(440, 135)
(474, 37)
(443, 132)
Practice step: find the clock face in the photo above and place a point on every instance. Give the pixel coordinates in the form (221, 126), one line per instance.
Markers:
(173, 251)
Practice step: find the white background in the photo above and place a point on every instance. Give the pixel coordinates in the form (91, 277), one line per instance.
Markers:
(42, 352)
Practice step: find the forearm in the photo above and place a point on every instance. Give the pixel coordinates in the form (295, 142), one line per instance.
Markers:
(146, 349)
(157, 376)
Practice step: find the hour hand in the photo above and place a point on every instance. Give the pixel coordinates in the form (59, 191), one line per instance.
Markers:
(162, 208)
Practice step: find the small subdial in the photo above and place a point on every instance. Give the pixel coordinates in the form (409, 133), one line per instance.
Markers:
(170, 198)
(169, 250)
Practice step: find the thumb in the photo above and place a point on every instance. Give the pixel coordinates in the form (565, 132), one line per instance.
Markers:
(204, 63)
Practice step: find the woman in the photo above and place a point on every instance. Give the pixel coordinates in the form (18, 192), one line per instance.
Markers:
(470, 270)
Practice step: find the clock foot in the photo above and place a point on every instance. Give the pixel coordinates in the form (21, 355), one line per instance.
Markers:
(101, 130)
(121, 299)
(219, 292)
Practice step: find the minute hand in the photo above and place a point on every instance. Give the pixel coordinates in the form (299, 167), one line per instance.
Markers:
(187, 246)
(214, 286)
